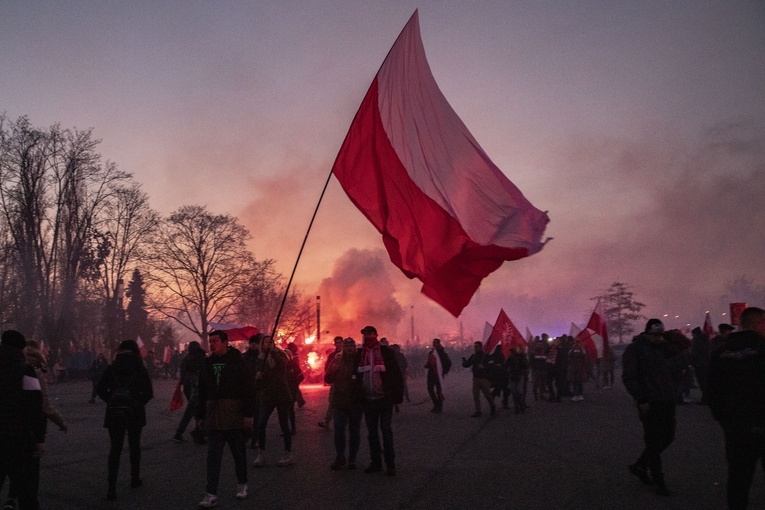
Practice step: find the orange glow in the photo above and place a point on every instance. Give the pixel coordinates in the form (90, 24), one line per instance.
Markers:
(312, 359)
(309, 340)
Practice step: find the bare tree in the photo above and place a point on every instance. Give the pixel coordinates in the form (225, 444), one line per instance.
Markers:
(53, 190)
(621, 309)
(199, 268)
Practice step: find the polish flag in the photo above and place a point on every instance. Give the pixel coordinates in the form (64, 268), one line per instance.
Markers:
(505, 334)
(235, 332)
(574, 330)
(707, 328)
(448, 216)
(141, 347)
(594, 336)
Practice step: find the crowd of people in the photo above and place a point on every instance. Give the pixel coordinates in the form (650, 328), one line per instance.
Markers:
(232, 395)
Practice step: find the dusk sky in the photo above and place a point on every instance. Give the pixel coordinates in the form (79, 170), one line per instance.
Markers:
(638, 125)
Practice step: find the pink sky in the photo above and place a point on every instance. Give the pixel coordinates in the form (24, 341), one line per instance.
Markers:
(639, 126)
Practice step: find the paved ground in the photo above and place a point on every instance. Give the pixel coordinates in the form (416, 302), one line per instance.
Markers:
(569, 455)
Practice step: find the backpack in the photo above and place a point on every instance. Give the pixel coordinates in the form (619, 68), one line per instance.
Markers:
(121, 407)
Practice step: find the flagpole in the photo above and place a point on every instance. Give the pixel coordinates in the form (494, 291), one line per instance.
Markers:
(289, 283)
(294, 269)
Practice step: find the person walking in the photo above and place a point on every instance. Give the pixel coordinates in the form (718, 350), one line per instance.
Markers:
(652, 369)
(437, 365)
(479, 363)
(382, 389)
(736, 394)
(578, 370)
(22, 421)
(95, 372)
(273, 392)
(346, 403)
(126, 388)
(192, 366)
(338, 343)
(517, 366)
(224, 412)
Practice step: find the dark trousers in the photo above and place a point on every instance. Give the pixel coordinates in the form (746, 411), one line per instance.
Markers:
(378, 416)
(352, 419)
(283, 412)
(18, 464)
(743, 449)
(216, 440)
(658, 433)
(188, 414)
(117, 439)
(435, 391)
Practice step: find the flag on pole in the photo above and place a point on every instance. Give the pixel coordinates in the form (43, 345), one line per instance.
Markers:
(448, 215)
(487, 329)
(167, 355)
(176, 402)
(707, 328)
(594, 336)
(141, 347)
(234, 332)
(574, 330)
(529, 336)
(505, 334)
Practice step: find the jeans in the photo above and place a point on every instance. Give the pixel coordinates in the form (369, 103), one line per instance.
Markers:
(216, 440)
(264, 413)
(351, 418)
(379, 415)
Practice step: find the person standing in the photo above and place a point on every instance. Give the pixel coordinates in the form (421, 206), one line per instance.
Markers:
(737, 400)
(226, 397)
(718, 342)
(517, 366)
(382, 389)
(578, 370)
(338, 342)
(192, 366)
(250, 357)
(437, 365)
(403, 364)
(346, 403)
(22, 421)
(126, 388)
(479, 363)
(651, 373)
(273, 392)
(95, 372)
(700, 360)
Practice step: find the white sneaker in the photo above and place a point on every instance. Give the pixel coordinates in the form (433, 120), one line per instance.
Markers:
(260, 459)
(209, 501)
(286, 459)
(241, 491)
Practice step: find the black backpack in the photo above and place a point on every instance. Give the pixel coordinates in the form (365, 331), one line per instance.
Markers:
(121, 407)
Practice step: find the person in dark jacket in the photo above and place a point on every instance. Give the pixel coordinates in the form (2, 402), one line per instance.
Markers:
(126, 388)
(736, 394)
(226, 397)
(95, 372)
(273, 392)
(382, 390)
(517, 366)
(192, 366)
(479, 363)
(346, 403)
(250, 357)
(437, 365)
(22, 420)
(700, 354)
(651, 373)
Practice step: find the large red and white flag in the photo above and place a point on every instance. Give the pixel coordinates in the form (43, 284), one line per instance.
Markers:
(594, 336)
(707, 328)
(505, 334)
(574, 330)
(234, 332)
(448, 216)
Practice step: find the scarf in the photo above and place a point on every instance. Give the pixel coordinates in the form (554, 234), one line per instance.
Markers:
(371, 357)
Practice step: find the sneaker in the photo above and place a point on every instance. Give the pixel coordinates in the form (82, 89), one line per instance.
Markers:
(179, 439)
(286, 460)
(241, 491)
(373, 468)
(641, 473)
(260, 459)
(10, 503)
(209, 501)
(339, 462)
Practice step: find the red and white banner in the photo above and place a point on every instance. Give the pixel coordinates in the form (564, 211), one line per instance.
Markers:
(505, 334)
(448, 216)
(234, 332)
(594, 336)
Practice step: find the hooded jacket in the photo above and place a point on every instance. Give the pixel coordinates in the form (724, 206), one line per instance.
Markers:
(652, 371)
(226, 392)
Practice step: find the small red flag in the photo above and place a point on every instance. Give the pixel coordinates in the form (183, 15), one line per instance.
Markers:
(594, 336)
(177, 401)
(505, 334)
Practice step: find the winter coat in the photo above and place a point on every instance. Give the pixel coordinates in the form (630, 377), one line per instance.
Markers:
(578, 364)
(346, 385)
(651, 372)
(21, 409)
(271, 378)
(126, 371)
(226, 392)
(479, 363)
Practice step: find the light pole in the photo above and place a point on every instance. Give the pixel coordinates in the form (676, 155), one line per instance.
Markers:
(318, 320)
